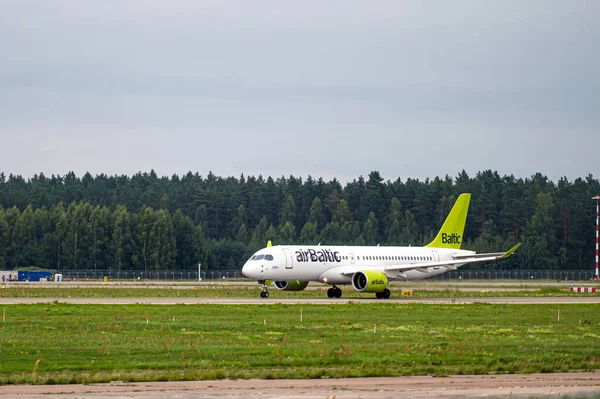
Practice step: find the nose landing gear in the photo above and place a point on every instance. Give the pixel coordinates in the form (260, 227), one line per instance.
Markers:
(265, 291)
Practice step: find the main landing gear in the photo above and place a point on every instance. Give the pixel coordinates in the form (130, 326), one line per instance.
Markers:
(385, 294)
(334, 292)
(265, 291)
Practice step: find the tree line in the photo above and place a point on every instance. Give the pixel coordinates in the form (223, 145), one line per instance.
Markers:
(152, 223)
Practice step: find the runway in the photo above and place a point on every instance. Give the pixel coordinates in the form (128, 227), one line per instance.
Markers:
(305, 301)
(505, 385)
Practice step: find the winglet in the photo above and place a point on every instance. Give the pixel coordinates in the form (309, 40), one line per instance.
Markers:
(510, 251)
(269, 244)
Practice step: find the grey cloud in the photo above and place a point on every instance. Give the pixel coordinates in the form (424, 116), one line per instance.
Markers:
(330, 89)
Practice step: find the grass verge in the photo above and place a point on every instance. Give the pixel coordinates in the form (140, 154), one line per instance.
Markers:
(61, 343)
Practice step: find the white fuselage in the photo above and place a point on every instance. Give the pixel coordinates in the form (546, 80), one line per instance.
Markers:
(336, 264)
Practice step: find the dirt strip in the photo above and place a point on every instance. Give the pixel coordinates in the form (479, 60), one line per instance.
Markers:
(554, 385)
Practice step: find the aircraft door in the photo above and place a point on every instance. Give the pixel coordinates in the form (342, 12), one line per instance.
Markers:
(289, 259)
(436, 256)
(352, 258)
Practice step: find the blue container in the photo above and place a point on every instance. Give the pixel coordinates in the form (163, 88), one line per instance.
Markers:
(27, 275)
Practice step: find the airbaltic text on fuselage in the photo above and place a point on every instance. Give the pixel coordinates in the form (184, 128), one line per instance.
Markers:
(322, 255)
(450, 238)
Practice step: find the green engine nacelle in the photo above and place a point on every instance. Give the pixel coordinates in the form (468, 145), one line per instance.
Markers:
(293, 285)
(369, 281)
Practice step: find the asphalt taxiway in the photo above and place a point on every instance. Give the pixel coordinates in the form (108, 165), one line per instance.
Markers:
(301, 301)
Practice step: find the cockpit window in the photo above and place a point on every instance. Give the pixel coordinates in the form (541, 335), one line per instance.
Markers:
(258, 257)
(268, 257)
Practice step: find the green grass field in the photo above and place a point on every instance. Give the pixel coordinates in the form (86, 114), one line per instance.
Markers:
(60, 343)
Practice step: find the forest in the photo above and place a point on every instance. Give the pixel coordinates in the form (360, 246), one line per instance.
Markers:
(151, 223)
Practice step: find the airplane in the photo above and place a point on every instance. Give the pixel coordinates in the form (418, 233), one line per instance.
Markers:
(367, 268)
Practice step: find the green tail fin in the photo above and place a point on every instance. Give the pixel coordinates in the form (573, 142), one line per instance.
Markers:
(451, 234)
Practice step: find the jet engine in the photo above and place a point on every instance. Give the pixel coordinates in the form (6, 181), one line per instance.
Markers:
(293, 285)
(369, 281)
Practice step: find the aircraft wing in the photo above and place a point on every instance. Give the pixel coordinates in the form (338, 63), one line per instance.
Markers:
(458, 260)
(451, 264)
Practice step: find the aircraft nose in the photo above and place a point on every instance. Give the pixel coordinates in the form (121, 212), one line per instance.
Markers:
(247, 270)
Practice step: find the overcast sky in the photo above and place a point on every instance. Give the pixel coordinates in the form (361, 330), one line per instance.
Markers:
(322, 88)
